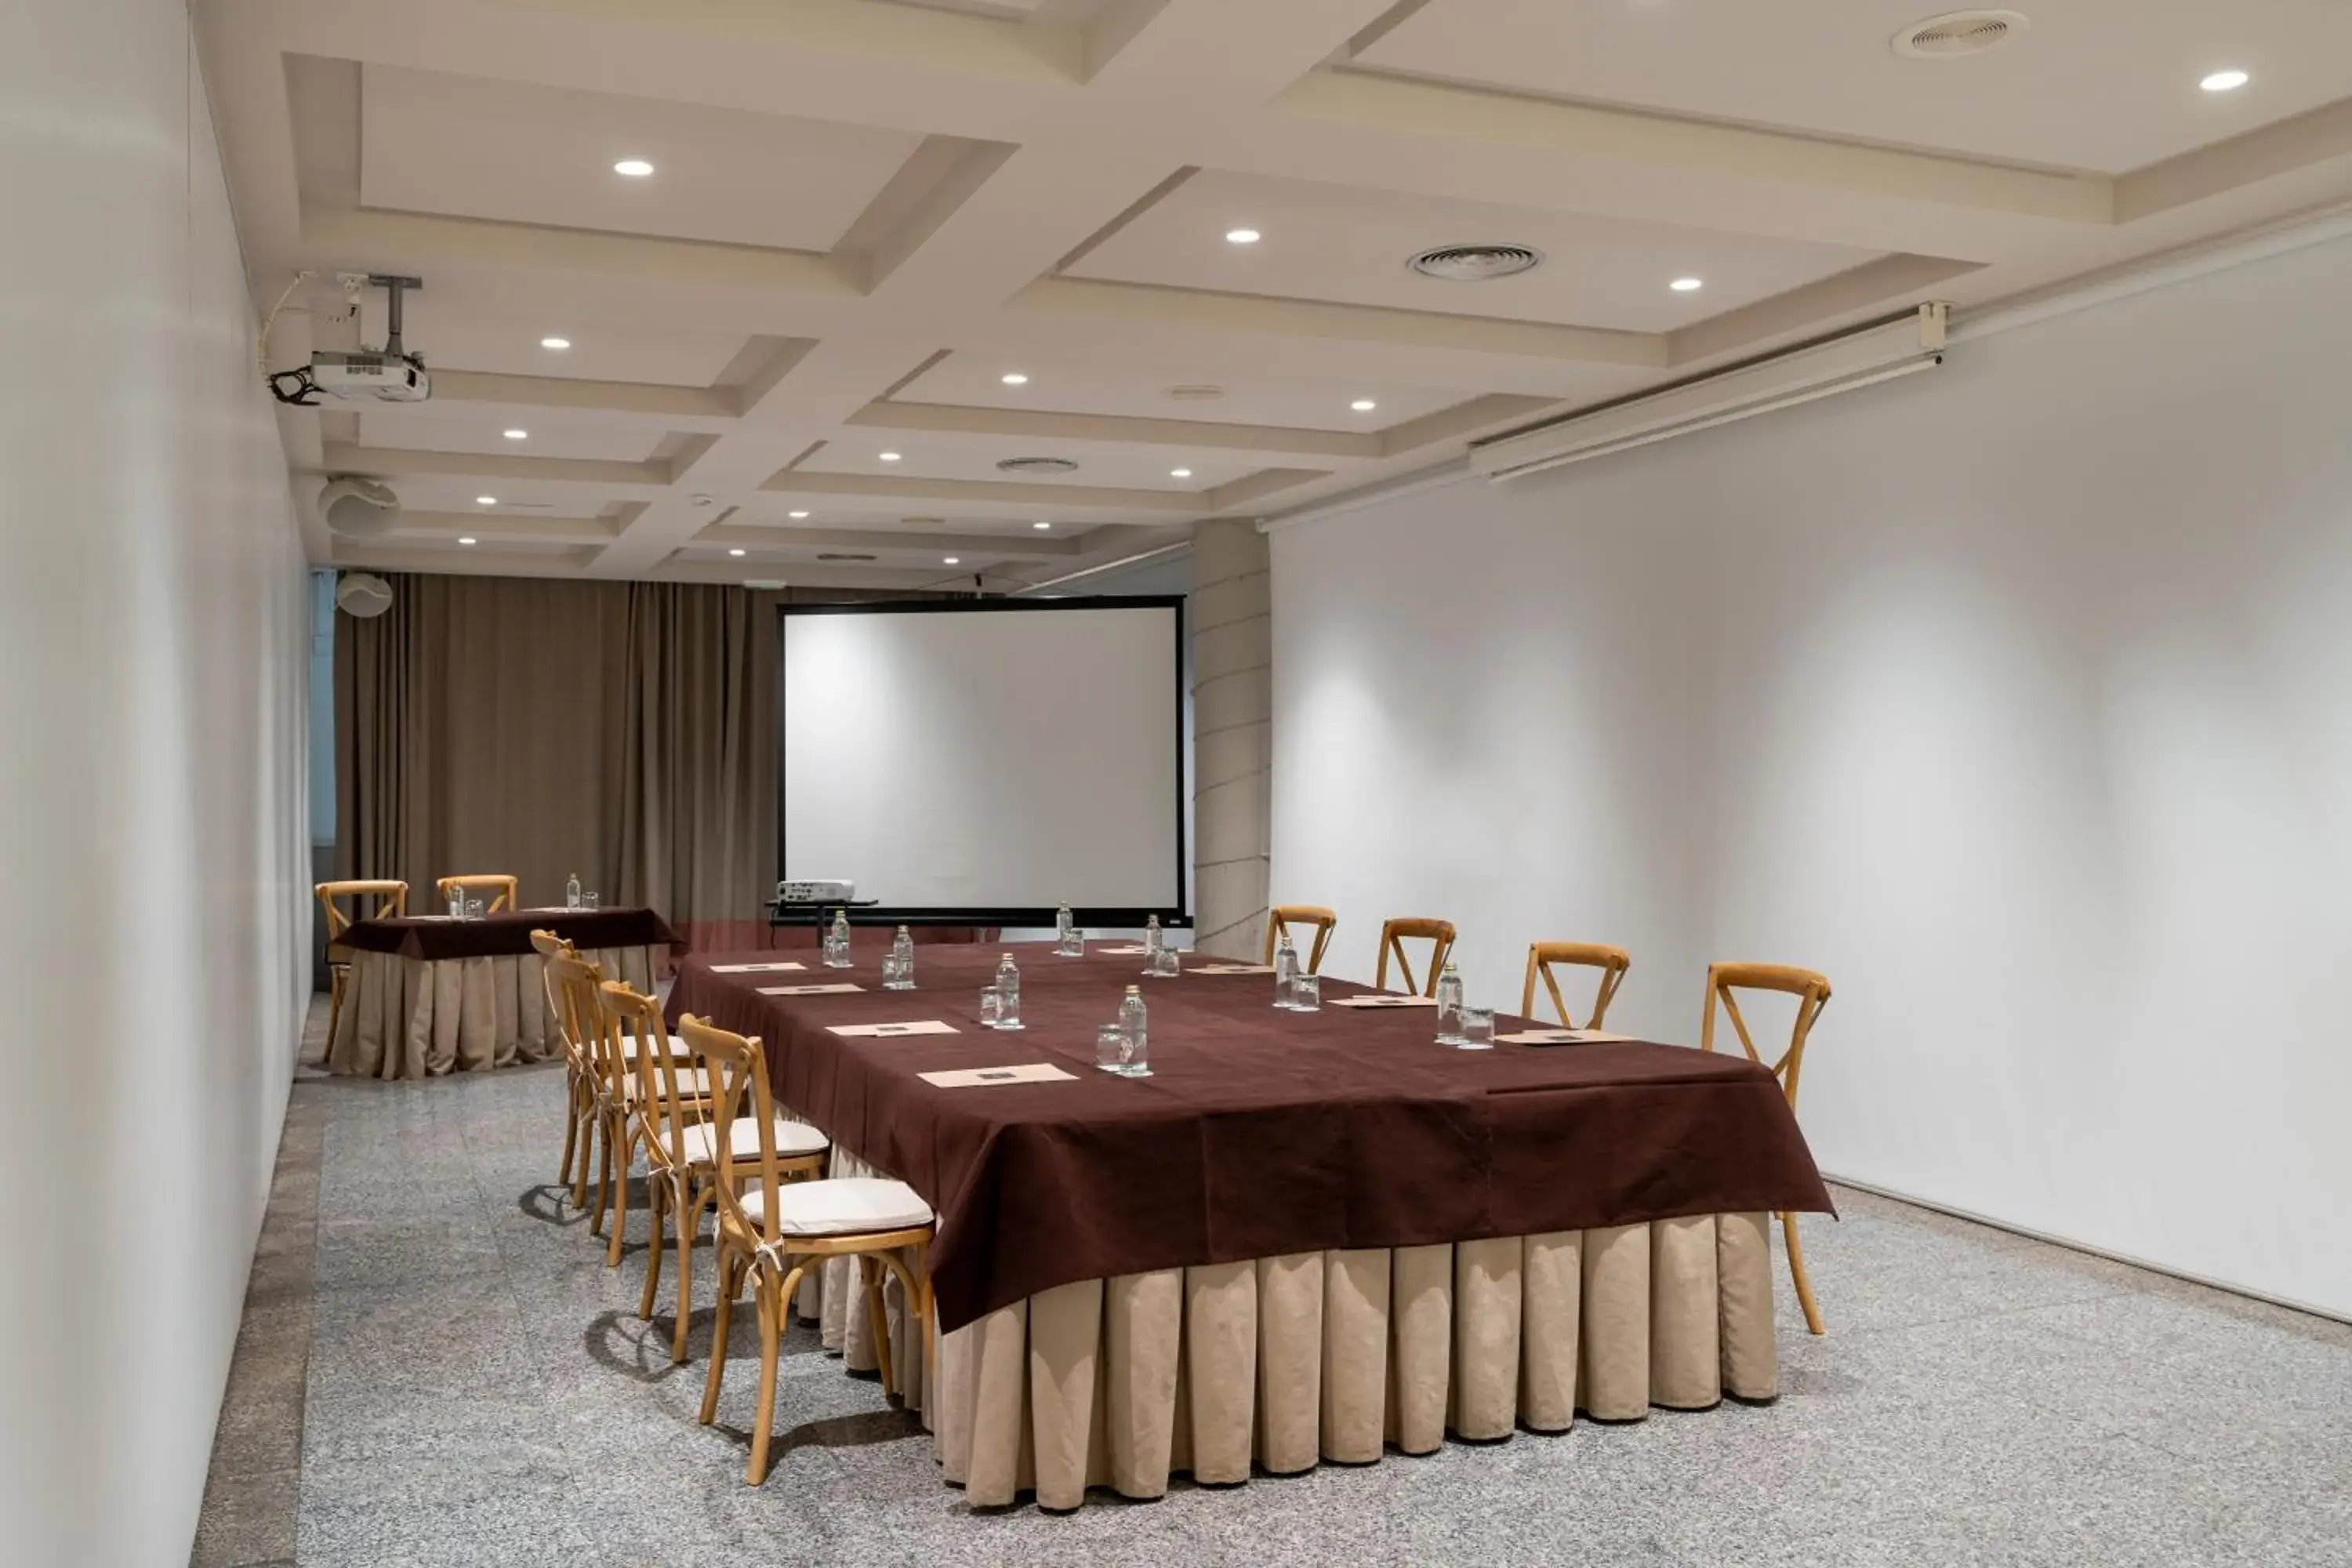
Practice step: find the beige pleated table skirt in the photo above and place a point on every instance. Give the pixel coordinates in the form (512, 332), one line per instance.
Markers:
(414, 1017)
(1284, 1362)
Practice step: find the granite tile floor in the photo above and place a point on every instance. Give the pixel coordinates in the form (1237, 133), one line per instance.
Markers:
(439, 1370)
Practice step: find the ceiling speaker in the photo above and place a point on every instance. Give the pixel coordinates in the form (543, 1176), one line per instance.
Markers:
(358, 508)
(362, 596)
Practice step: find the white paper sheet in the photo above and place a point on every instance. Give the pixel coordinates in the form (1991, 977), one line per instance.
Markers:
(1379, 1000)
(887, 1031)
(1559, 1038)
(834, 989)
(1231, 968)
(974, 1078)
(754, 968)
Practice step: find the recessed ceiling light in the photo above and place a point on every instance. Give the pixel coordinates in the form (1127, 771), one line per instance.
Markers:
(738, 550)
(1240, 237)
(1363, 405)
(889, 456)
(1041, 525)
(950, 560)
(1685, 285)
(2225, 82)
(796, 514)
(1179, 473)
(466, 538)
(1014, 378)
(558, 344)
(635, 168)
(518, 435)
(486, 501)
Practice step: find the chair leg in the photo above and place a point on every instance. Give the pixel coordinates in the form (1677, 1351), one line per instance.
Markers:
(729, 1283)
(656, 1201)
(335, 978)
(628, 1158)
(570, 1126)
(689, 1220)
(588, 1118)
(771, 1314)
(871, 1272)
(606, 1139)
(1796, 1273)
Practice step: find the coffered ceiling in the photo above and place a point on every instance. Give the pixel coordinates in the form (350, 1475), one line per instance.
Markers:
(976, 231)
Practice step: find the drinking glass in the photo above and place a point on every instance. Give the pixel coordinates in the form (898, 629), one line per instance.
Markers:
(1073, 944)
(588, 902)
(1110, 1048)
(1307, 994)
(458, 906)
(473, 909)
(992, 1006)
(1477, 1029)
(1164, 964)
(1132, 1049)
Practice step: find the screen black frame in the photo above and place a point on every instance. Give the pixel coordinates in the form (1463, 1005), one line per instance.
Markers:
(1180, 914)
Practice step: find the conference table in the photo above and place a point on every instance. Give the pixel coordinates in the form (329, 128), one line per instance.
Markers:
(1304, 1236)
(428, 994)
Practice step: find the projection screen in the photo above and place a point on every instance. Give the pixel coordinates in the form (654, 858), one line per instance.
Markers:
(987, 758)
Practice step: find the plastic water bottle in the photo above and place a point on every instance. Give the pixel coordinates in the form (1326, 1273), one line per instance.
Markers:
(1135, 1035)
(1008, 990)
(1063, 923)
(1152, 941)
(902, 962)
(1449, 1007)
(836, 941)
(571, 891)
(1285, 974)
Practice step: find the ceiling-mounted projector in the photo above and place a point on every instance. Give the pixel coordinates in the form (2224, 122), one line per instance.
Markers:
(389, 374)
(359, 508)
(362, 596)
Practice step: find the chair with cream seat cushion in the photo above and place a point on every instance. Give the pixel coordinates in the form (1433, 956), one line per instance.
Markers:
(1812, 991)
(617, 1089)
(678, 1048)
(771, 1234)
(579, 1072)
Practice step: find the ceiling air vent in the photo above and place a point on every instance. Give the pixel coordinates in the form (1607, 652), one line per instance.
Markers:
(1036, 466)
(837, 555)
(1476, 263)
(1959, 33)
(1196, 392)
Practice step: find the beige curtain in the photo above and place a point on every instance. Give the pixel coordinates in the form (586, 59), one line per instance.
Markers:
(622, 731)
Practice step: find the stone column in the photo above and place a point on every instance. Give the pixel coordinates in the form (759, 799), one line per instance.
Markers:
(1233, 704)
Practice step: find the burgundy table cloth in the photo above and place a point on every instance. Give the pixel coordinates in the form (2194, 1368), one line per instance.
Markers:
(1261, 1132)
(509, 933)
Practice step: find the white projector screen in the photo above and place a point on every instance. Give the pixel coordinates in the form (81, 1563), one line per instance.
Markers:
(986, 756)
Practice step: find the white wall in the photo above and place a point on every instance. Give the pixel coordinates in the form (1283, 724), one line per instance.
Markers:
(152, 690)
(2016, 697)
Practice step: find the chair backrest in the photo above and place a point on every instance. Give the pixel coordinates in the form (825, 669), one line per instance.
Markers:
(1811, 989)
(391, 903)
(1393, 936)
(660, 1097)
(737, 1069)
(505, 898)
(1612, 963)
(551, 946)
(1282, 917)
(586, 1018)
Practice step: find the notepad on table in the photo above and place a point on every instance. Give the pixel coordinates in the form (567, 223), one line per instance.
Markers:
(1231, 968)
(754, 968)
(833, 988)
(1380, 999)
(886, 1031)
(973, 1078)
(1125, 950)
(1559, 1038)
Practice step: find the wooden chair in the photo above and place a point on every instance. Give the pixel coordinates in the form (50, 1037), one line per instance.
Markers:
(580, 1122)
(614, 1095)
(682, 1148)
(1282, 917)
(509, 890)
(1612, 963)
(1812, 994)
(1396, 932)
(769, 1238)
(391, 903)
